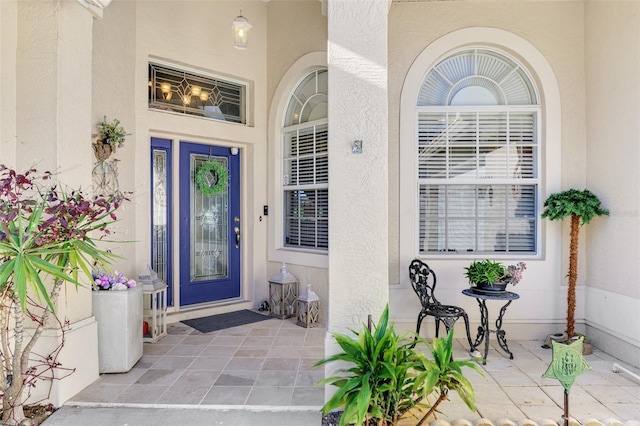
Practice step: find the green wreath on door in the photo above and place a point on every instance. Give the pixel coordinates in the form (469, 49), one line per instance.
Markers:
(212, 178)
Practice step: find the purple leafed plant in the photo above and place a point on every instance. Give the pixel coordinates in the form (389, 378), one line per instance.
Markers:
(48, 237)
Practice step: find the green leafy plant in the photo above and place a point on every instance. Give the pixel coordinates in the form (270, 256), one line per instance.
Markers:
(485, 271)
(490, 272)
(46, 239)
(380, 382)
(112, 133)
(581, 207)
(444, 374)
(212, 178)
(387, 377)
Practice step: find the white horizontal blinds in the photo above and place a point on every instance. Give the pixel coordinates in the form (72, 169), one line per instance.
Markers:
(477, 145)
(306, 159)
(477, 218)
(305, 181)
(478, 150)
(432, 218)
(523, 142)
(306, 220)
(432, 145)
(481, 159)
(305, 165)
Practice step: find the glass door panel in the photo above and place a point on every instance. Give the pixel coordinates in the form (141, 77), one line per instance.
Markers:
(210, 226)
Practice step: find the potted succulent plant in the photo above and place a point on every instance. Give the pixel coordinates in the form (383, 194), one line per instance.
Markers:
(491, 276)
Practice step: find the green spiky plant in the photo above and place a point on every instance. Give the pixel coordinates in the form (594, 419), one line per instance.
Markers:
(386, 377)
(46, 239)
(581, 207)
(443, 374)
(485, 271)
(379, 382)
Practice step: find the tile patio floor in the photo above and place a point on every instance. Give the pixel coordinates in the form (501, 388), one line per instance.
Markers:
(270, 364)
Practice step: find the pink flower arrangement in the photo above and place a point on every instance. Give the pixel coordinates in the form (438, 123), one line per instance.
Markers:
(115, 281)
(514, 273)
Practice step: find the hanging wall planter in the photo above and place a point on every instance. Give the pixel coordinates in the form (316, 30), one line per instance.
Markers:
(110, 136)
(212, 178)
(102, 150)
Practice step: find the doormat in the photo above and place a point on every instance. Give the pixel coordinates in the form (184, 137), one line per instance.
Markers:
(222, 321)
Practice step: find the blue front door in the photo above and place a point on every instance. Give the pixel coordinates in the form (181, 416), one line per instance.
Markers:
(209, 224)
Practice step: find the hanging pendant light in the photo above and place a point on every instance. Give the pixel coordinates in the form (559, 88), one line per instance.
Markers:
(241, 28)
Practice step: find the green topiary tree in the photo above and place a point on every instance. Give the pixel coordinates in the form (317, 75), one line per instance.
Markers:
(579, 205)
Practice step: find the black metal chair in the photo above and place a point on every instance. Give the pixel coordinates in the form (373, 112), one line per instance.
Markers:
(423, 281)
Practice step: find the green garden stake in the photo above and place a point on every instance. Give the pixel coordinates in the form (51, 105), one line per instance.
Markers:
(566, 365)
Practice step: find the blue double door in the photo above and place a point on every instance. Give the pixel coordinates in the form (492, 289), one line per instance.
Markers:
(210, 231)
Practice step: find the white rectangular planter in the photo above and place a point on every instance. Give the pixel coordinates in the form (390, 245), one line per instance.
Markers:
(119, 318)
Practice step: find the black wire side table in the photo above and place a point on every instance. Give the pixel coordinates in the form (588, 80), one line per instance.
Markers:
(484, 330)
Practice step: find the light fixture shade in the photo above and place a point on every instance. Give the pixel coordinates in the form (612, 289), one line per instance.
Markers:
(165, 88)
(241, 28)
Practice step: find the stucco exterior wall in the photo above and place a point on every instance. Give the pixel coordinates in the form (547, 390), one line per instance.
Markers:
(297, 43)
(613, 143)
(37, 78)
(612, 55)
(593, 50)
(198, 35)
(8, 47)
(114, 89)
(293, 29)
(358, 182)
(44, 122)
(52, 79)
(50, 105)
(555, 31)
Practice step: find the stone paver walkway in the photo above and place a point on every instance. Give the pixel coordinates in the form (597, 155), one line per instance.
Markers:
(269, 365)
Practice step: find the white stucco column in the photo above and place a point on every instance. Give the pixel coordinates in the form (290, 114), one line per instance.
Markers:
(53, 127)
(358, 182)
(8, 46)
(53, 89)
(53, 100)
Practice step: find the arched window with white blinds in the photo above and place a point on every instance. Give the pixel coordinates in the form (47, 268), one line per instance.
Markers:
(478, 151)
(305, 165)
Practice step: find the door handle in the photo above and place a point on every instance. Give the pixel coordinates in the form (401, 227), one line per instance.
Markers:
(237, 231)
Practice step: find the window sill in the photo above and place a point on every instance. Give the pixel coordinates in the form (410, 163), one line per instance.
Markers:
(300, 257)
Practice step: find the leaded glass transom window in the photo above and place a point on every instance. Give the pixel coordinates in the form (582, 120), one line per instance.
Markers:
(196, 93)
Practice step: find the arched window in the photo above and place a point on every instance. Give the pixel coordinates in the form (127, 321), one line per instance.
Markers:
(478, 149)
(305, 168)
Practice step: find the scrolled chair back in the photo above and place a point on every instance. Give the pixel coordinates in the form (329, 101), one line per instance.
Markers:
(423, 281)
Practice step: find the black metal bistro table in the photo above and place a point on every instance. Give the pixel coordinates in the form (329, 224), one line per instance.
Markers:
(484, 330)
